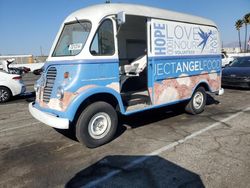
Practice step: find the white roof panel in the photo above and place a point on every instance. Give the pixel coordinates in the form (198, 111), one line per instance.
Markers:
(97, 12)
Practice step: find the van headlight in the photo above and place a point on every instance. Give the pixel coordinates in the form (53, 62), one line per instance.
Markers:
(60, 92)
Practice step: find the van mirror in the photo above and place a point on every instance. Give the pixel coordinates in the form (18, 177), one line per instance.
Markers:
(121, 18)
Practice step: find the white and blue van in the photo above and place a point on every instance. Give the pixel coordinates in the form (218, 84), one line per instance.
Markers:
(123, 58)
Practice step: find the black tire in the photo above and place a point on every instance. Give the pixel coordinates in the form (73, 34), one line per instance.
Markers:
(5, 94)
(196, 109)
(95, 115)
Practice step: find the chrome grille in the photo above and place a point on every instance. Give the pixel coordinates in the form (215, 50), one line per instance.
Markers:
(50, 79)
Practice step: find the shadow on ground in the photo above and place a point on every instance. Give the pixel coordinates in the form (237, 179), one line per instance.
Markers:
(155, 115)
(135, 171)
(211, 100)
(151, 116)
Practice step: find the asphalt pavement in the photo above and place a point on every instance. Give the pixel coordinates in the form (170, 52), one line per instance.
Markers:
(159, 148)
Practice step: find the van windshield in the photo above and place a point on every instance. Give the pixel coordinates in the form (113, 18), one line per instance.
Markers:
(72, 39)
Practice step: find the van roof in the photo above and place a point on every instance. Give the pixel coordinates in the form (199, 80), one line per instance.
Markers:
(99, 11)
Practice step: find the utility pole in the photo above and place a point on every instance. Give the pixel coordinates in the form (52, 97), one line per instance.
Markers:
(41, 50)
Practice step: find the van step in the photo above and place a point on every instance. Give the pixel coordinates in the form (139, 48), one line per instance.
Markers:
(136, 100)
(137, 107)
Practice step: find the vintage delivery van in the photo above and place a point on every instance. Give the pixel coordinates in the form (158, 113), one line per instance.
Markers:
(123, 58)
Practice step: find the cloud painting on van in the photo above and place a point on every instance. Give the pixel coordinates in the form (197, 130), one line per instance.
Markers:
(171, 90)
(62, 104)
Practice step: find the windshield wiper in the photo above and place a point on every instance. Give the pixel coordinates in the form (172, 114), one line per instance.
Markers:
(80, 23)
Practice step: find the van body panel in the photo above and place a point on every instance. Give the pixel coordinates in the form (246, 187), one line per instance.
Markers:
(83, 96)
(182, 56)
(85, 78)
(72, 107)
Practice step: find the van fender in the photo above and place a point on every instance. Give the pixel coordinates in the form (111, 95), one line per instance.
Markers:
(203, 83)
(81, 97)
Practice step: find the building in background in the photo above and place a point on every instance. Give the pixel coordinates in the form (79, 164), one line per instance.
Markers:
(231, 50)
(24, 59)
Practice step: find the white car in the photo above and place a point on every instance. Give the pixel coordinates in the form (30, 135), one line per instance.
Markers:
(10, 85)
(226, 59)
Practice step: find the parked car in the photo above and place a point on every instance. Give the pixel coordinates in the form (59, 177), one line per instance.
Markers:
(237, 73)
(23, 70)
(10, 85)
(13, 70)
(38, 71)
(225, 59)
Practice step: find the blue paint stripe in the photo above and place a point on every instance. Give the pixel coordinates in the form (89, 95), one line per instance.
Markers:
(98, 61)
(184, 57)
(87, 61)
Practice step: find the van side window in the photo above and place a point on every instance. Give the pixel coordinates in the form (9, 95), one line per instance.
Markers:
(103, 42)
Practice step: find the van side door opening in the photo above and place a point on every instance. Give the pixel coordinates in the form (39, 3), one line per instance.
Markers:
(133, 61)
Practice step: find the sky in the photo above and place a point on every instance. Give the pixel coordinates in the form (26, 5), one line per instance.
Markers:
(30, 26)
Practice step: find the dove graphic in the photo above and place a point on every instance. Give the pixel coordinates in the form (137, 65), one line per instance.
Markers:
(204, 36)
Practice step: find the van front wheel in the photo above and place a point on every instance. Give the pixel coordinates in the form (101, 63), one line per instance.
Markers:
(198, 101)
(97, 124)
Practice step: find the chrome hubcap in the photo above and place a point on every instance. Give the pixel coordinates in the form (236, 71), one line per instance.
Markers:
(198, 100)
(3, 95)
(99, 125)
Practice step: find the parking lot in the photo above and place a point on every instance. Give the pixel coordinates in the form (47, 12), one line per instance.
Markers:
(160, 148)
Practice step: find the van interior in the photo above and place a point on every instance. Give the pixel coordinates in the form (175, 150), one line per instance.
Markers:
(132, 45)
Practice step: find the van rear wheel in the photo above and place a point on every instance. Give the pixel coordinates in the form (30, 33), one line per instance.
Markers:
(198, 101)
(97, 124)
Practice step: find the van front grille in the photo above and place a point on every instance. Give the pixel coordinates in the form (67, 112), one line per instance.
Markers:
(50, 79)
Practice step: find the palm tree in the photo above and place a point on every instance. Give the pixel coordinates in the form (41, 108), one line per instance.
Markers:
(238, 25)
(246, 21)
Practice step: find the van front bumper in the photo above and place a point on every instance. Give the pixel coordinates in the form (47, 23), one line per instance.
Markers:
(48, 119)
